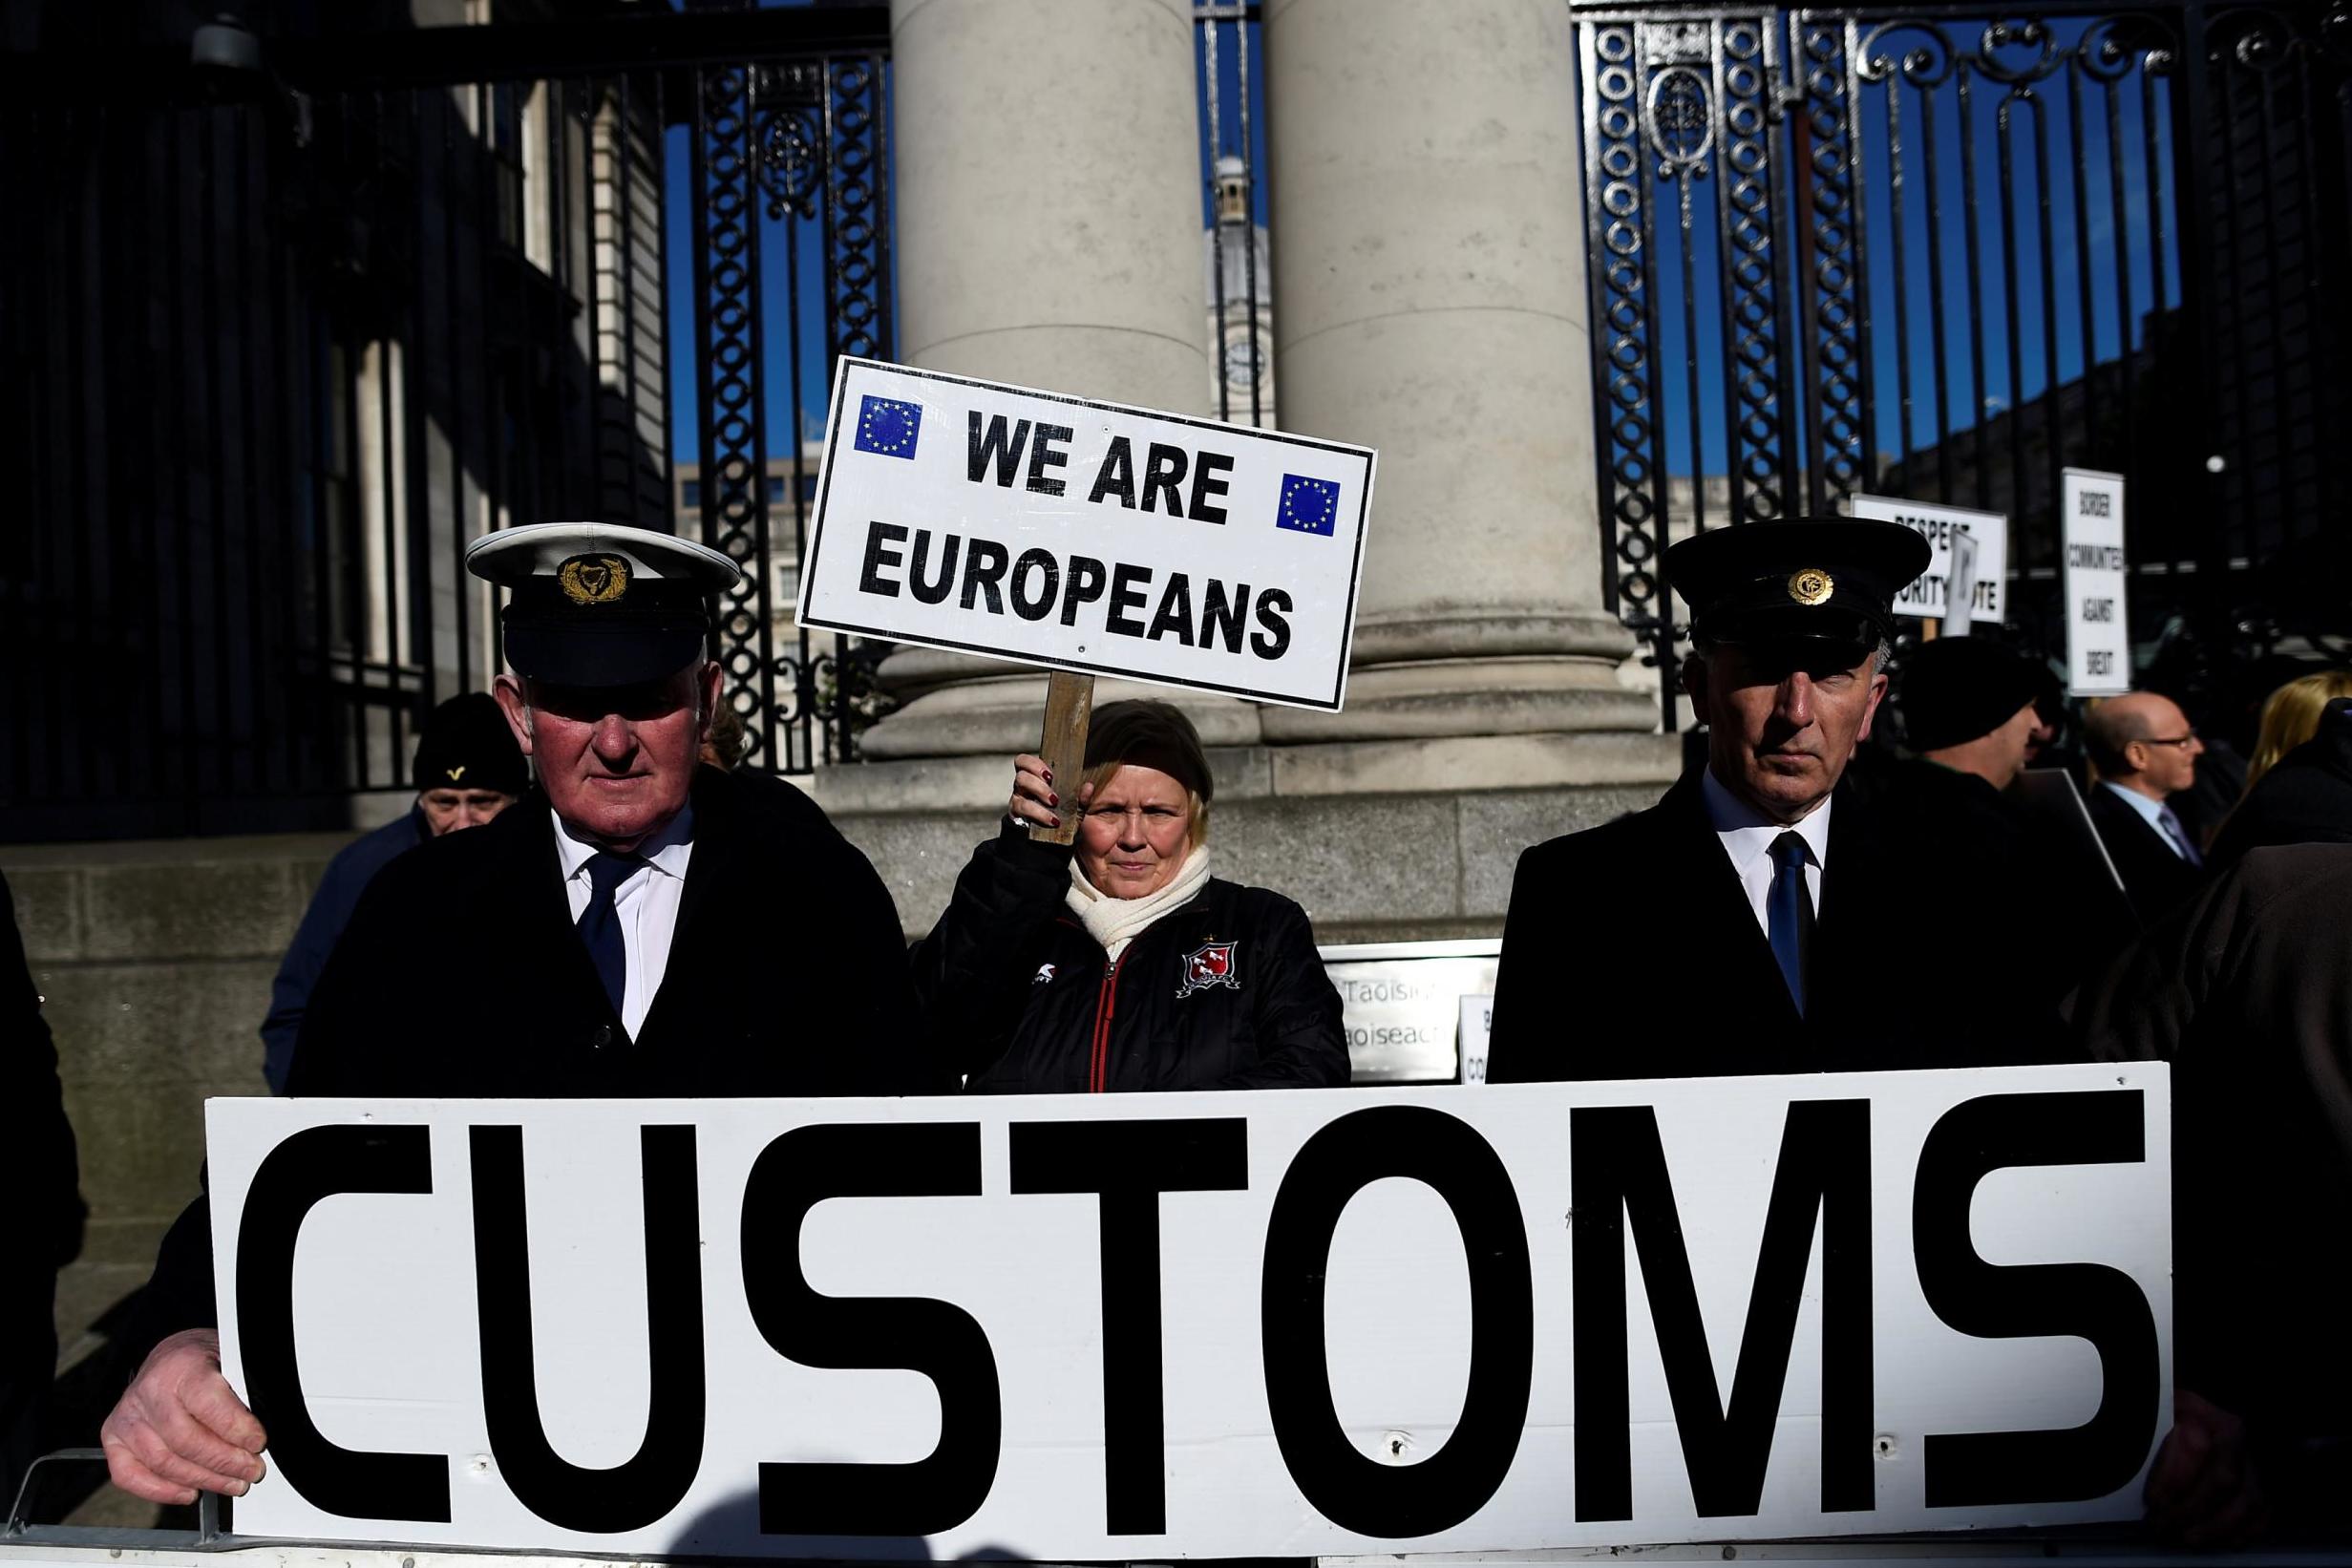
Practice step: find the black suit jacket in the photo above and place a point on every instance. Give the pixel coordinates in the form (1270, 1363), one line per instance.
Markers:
(2156, 877)
(460, 976)
(1630, 951)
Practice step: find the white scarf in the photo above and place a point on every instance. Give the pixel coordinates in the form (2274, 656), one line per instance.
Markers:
(1115, 922)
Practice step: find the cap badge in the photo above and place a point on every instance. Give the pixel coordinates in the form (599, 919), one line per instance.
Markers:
(1811, 587)
(593, 580)
(456, 774)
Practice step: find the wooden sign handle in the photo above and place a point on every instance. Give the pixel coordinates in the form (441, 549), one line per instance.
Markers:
(1070, 703)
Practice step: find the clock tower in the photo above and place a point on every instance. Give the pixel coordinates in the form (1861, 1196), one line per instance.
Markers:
(1241, 311)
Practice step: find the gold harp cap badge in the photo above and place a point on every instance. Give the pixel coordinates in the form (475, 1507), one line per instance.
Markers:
(593, 580)
(1811, 587)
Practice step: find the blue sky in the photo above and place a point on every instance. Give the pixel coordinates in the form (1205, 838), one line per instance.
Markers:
(2036, 203)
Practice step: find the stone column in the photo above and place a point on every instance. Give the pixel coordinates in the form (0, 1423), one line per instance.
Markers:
(1429, 254)
(1047, 159)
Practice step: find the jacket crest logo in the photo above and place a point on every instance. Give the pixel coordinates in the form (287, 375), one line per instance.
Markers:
(593, 580)
(1043, 975)
(1211, 963)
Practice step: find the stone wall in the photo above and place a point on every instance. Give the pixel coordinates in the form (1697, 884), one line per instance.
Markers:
(153, 961)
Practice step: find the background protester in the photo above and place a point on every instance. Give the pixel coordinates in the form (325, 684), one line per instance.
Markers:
(2145, 751)
(2030, 904)
(1123, 962)
(40, 1179)
(2304, 795)
(724, 748)
(2248, 996)
(467, 769)
(636, 899)
(1789, 633)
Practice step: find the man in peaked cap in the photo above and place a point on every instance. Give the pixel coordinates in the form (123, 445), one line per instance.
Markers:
(661, 930)
(467, 769)
(1760, 875)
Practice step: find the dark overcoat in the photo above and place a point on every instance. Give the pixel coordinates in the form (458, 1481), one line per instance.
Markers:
(460, 976)
(1226, 991)
(1631, 951)
(347, 877)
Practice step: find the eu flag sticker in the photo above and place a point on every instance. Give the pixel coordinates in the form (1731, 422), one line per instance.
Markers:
(1310, 506)
(888, 427)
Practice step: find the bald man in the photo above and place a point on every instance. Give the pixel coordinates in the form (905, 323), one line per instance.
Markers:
(2146, 752)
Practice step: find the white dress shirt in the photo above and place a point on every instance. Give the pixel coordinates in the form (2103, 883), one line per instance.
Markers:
(2150, 811)
(646, 902)
(1747, 836)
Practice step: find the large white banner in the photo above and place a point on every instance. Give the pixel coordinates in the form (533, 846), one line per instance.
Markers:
(1087, 536)
(2098, 629)
(1927, 594)
(1282, 1324)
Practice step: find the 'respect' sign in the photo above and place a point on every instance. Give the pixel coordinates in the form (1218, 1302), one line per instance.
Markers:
(1291, 1323)
(1086, 535)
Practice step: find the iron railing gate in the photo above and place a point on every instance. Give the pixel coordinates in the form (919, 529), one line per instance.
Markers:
(284, 330)
(1943, 252)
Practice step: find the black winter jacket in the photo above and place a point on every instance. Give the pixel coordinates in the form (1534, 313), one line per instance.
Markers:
(1225, 992)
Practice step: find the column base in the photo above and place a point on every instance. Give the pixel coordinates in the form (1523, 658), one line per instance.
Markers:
(1380, 839)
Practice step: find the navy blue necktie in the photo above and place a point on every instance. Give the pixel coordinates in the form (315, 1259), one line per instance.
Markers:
(600, 923)
(1788, 914)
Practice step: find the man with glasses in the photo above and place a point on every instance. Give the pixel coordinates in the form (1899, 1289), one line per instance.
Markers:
(2145, 751)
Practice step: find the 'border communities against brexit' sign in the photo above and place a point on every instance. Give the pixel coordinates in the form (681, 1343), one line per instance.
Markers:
(1286, 1323)
(1087, 536)
(2098, 626)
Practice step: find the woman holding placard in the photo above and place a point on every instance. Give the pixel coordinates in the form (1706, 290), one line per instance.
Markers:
(1121, 963)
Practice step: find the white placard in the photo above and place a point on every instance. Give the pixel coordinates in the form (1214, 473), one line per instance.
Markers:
(1924, 595)
(2098, 629)
(1478, 1031)
(1087, 536)
(1226, 1324)
(1399, 1002)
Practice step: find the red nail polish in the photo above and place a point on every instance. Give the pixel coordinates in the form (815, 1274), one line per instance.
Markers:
(1053, 799)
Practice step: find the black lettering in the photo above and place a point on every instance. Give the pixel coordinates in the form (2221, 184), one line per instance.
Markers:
(1619, 1181)
(993, 448)
(1221, 615)
(933, 593)
(1117, 475)
(1126, 594)
(1163, 471)
(1274, 641)
(1129, 1164)
(1045, 453)
(1176, 610)
(315, 1163)
(649, 1484)
(796, 1172)
(983, 568)
(870, 580)
(1447, 1155)
(2085, 1301)
(1085, 586)
(1041, 607)
(1205, 484)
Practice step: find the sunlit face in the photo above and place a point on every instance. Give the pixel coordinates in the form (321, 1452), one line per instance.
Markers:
(1783, 719)
(2167, 759)
(1136, 833)
(617, 762)
(446, 811)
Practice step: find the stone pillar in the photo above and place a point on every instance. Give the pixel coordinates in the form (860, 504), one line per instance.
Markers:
(1429, 254)
(1047, 159)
